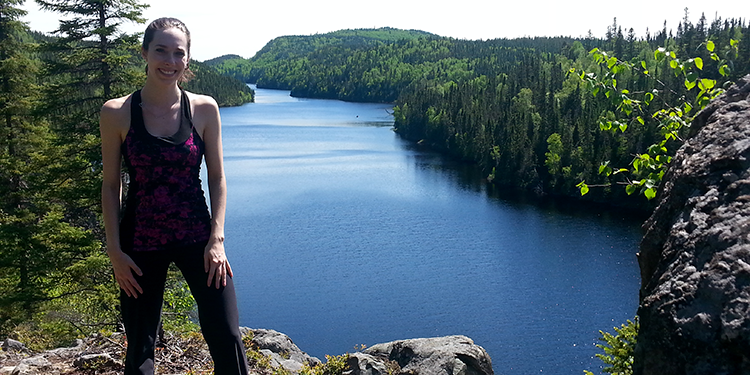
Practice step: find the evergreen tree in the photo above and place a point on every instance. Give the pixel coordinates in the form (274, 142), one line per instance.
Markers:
(89, 62)
(40, 254)
(52, 268)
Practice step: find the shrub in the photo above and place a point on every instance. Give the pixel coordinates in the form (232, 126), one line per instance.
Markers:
(619, 349)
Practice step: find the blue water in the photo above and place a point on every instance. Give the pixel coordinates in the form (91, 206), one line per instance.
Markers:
(340, 234)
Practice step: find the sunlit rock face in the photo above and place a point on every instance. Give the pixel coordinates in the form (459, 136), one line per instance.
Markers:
(449, 355)
(695, 255)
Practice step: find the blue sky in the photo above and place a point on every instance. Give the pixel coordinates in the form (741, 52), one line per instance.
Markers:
(242, 27)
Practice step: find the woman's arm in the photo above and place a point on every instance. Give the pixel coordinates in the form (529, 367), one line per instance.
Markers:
(208, 122)
(113, 125)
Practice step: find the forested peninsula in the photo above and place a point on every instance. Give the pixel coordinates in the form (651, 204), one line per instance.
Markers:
(511, 106)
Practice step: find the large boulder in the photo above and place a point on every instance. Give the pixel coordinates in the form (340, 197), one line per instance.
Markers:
(695, 255)
(449, 355)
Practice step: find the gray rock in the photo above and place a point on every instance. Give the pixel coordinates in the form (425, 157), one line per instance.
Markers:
(450, 355)
(13, 345)
(365, 364)
(280, 348)
(72, 351)
(695, 256)
(32, 366)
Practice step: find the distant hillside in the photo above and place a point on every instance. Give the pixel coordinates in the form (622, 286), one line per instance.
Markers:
(298, 48)
(376, 65)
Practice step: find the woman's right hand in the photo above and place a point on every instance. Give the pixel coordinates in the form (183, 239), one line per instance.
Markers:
(124, 267)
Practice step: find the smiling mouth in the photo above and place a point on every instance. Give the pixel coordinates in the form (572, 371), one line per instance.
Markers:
(168, 72)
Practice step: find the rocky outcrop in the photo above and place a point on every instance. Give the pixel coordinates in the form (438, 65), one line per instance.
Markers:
(695, 256)
(450, 355)
(280, 349)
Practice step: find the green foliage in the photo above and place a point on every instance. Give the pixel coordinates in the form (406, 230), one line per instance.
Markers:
(553, 161)
(646, 90)
(334, 365)
(179, 313)
(86, 62)
(66, 315)
(41, 250)
(618, 349)
(53, 274)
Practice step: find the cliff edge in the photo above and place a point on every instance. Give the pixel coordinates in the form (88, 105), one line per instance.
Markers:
(695, 255)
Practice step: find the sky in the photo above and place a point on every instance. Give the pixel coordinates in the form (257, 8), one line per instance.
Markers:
(243, 27)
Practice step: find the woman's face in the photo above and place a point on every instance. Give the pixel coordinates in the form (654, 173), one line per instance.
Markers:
(167, 55)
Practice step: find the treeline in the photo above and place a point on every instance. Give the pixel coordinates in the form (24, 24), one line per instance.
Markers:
(510, 106)
(56, 282)
(533, 125)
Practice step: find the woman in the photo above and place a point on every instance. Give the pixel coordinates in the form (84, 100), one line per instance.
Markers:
(163, 132)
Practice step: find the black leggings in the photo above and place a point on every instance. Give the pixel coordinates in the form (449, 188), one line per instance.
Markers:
(217, 311)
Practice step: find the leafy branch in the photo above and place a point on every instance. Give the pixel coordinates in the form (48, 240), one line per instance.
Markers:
(672, 108)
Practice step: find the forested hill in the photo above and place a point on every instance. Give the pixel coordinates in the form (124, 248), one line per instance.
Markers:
(509, 105)
(298, 63)
(273, 65)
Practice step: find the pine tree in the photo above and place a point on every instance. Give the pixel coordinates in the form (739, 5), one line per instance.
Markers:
(51, 264)
(15, 96)
(39, 251)
(90, 61)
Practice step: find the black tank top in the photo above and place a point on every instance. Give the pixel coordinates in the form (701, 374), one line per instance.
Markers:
(165, 206)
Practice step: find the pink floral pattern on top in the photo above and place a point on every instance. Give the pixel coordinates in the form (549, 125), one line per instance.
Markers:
(166, 206)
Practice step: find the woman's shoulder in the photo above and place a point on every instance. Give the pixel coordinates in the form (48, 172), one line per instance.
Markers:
(116, 112)
(205, 111)
(202, 102)
(117, 104)
(206, 116)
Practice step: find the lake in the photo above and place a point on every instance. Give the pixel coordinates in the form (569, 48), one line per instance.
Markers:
(342, 234)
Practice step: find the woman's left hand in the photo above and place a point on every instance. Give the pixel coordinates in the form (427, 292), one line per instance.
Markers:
(216, 264)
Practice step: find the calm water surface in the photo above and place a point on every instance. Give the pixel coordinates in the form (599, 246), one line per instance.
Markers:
(341, 234)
